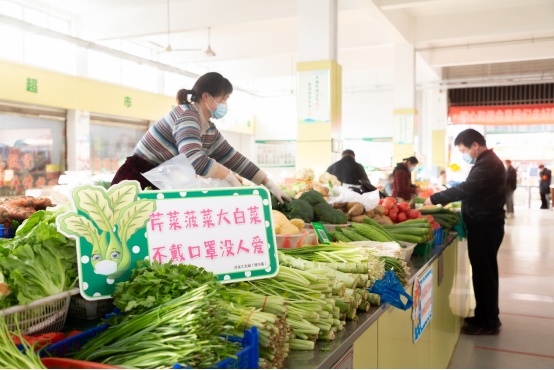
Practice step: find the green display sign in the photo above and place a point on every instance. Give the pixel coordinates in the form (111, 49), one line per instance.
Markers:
(227, 231)
(321, 233)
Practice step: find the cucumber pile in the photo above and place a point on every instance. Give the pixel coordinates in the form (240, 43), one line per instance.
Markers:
(445, 217)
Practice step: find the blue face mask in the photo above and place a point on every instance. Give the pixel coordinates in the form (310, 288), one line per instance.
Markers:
(412, 169)
(220, 110)
(468, 159)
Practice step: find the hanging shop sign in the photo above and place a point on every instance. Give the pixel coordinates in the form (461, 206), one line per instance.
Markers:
(502, 115)
(314, 103)
(422, 310)
(227, 231)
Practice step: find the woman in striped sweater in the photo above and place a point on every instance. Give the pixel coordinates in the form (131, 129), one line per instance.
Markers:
(187, 130)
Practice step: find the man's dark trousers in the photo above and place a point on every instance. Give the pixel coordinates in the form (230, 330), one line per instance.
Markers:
(483, 243)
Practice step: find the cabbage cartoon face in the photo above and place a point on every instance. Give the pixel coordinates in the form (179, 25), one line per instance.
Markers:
(107, 220)
(110, 259)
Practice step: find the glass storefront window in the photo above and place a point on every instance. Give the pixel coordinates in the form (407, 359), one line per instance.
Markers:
(31, 154)
(111, 145)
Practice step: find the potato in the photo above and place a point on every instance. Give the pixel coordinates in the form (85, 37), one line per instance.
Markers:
(383, 220)
(339, 205)
(321, 189)
(356, 210)
(359, 219)
(299, 223)
(370, 213)
(288, 228)
(379, 210)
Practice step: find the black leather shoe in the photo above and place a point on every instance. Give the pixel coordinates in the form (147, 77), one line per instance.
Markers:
(470, 329)
(473, 321)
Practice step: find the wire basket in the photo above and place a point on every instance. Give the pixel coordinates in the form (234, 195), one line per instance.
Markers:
(41, 316)
(80, 308)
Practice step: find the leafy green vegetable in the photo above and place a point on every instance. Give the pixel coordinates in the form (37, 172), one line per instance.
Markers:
(170, 281)
(39, 261)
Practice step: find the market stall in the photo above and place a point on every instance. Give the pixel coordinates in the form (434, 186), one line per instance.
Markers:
(316, 306)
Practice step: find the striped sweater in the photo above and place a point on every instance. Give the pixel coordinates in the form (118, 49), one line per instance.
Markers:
(183, 131)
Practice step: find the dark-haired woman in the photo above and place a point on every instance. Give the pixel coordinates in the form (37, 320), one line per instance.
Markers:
(402, 186)
(187, 130)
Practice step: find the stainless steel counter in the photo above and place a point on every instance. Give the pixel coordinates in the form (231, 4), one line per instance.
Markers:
(326, 354)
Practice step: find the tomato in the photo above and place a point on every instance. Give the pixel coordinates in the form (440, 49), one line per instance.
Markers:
(73, 332)
(429, 217)
(386, 212)
(388, 204)
(435, 225)
(413, 214)
(404, 207)
(381, 201)
(391, 199)
(395, 208)
(402, 216)
(393, 215)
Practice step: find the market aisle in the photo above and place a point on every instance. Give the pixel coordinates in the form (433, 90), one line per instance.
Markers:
(526, 265)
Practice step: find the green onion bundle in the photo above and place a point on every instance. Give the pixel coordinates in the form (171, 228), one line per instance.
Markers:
(399, 267)
(184, 330)
(10, 356)
(274, 332)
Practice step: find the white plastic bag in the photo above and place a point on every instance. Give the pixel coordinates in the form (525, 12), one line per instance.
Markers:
(178, 174)
(368, 200)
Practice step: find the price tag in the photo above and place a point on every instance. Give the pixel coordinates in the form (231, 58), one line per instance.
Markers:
(321, 233)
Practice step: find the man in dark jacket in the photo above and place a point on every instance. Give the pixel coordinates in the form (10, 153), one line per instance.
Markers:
(483, 197)
(544, 185)
(511, 185)
(347, 170)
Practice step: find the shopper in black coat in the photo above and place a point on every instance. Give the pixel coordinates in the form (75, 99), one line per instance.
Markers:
(483, 197)
(347, 170)
(511, 185)
(544, 186)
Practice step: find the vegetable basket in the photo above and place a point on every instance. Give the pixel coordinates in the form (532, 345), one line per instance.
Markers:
(306, 237)
(80, 308)
(41, 316)
(424, 248)
(247, 357)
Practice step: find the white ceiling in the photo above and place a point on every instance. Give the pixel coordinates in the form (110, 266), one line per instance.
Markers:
(256, 41)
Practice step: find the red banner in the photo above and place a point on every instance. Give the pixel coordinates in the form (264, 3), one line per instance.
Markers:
(502, 114)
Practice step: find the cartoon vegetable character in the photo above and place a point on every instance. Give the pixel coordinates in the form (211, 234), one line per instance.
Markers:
(107, 220)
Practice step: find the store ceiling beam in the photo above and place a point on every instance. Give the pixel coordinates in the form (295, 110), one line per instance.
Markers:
(405, 4)
(399, 21)
(516, 50)
(475, 25)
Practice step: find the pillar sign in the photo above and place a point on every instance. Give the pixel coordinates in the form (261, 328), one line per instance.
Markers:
(314, 103)
(403, 126)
